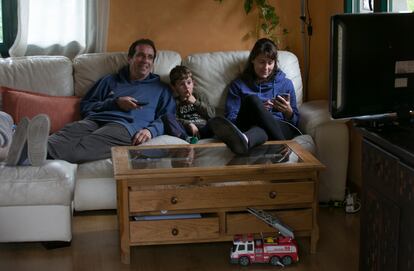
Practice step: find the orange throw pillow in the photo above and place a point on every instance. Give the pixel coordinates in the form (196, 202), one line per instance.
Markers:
(60, 109)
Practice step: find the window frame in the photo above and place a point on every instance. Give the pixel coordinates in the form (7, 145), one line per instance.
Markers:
(9, 17)
(379, 6)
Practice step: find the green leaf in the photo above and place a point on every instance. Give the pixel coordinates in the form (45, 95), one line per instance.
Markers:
(264, 28)
(267, 20)
(260, 3)
(248, 4)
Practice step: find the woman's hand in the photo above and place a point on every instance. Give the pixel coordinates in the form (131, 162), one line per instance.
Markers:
(268, 104)
(282, 105)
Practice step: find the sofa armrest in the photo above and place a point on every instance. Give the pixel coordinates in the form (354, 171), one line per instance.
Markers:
(331, 139)
(314, 114)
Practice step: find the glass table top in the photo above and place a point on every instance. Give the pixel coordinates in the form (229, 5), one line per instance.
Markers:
(217, 156)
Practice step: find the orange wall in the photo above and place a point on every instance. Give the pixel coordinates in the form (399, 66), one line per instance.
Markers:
(191, 26)
(321, 11)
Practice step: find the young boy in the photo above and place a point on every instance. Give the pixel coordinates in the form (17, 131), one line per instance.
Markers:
(193, 108)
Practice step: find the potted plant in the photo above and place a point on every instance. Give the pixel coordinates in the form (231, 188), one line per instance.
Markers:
(267, 21)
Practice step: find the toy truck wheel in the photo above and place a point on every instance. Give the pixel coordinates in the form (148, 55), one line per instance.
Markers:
(244, 261)
(274, 260)
(287, 260)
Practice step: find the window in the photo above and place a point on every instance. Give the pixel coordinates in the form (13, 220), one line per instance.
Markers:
(64, 27)
(366, 6)
(401, 6)
(8, 25)
(1, 23)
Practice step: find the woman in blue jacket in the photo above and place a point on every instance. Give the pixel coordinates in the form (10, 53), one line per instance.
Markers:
(260, 104)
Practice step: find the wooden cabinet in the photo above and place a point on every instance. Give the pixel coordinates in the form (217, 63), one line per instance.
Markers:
(387, 217)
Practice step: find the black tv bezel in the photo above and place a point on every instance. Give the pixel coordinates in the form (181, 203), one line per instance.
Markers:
(346, 103)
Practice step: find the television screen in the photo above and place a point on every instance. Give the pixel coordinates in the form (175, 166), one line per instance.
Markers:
(371, 64)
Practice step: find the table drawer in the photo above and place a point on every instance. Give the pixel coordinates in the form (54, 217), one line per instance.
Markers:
(221, 195)
(174, 230)
(298, 220)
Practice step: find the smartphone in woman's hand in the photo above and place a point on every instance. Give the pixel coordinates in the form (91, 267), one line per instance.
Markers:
(285, 96)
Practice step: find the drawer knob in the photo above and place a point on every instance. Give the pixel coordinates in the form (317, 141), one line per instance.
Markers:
(174, 231)
(272, 194)
(174, 200)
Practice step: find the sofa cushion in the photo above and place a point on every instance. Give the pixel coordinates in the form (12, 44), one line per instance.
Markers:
(306, 142)
(49, 184)
(88, 68)
(104, 168)
(44, 74)
(165, 140)
(60, 109)
(224, 67)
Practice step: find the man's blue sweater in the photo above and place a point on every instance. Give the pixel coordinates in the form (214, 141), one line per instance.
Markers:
(99, 104)
(268, 90)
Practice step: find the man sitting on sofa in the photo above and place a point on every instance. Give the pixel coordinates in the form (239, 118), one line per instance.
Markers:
(120, 109)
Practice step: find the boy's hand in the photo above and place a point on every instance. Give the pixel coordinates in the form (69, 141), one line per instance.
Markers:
(190, 99)
(193, 129)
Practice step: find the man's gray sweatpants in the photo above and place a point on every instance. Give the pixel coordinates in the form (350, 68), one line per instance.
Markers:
(87, 140)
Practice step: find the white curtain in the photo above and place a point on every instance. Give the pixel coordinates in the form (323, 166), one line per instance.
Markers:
(63, 27)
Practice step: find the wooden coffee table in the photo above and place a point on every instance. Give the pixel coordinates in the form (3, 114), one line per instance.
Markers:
(204, 190)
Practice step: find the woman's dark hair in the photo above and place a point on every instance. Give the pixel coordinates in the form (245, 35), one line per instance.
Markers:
(149, 42)
(262, 46)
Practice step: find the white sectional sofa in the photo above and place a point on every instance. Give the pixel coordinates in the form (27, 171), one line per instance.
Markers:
(94, 185)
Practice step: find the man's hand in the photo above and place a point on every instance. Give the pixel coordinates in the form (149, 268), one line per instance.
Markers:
(127, 103)
(141, 136)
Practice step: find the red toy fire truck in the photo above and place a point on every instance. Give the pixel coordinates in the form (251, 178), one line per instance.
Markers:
(281, 250)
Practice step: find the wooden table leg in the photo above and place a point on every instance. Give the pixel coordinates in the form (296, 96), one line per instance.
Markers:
(315, 212)
(314, 239)
(123, 220)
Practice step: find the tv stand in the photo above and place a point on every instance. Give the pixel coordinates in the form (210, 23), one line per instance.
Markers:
(398, 132)
(403, 117)
(387, 223)
(376, 122)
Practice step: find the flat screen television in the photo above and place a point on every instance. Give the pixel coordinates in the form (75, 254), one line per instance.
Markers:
(371, 64)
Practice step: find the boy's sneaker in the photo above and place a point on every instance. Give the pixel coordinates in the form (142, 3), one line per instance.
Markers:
(37, 135)
(193, 140)
(18, 142)
(227, 132)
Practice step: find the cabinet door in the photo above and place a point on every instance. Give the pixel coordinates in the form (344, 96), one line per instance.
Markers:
(406, 201)
(380, 170)
(379, 233)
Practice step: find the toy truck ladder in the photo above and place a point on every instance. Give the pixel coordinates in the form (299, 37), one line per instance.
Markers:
(273, 221)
